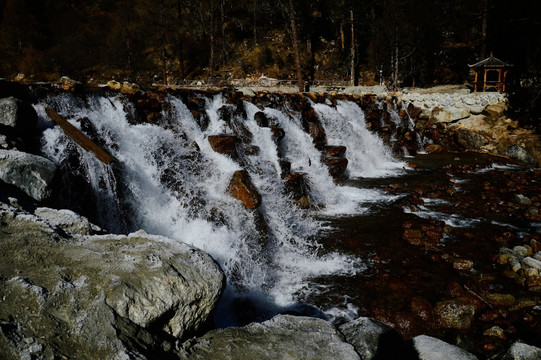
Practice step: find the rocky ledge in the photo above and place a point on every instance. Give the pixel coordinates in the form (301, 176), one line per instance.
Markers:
(68, 293)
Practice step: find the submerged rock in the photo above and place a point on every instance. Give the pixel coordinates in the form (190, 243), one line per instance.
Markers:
(30, 173)
(282, 337)
(454, 314)
(98, 297)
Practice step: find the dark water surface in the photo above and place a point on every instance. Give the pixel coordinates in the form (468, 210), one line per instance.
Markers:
(466, 204)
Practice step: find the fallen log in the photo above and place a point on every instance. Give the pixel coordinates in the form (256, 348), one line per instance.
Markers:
(80, 138)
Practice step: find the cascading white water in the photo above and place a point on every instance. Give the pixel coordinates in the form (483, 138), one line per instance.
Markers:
(175, 189)
(367, 155)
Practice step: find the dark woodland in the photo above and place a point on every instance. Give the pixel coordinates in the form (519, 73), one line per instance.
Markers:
(414, 42)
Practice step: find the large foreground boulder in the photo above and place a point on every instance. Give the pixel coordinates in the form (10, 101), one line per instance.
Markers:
(283, 337)
(97, 296)
(30, 173)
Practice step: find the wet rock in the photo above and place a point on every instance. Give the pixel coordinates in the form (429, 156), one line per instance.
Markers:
(422, 308)
(334, 151)
(519, 351)
(98, 297)
(285, 167)
(31, 173)
(224, 144)
(523, 200)
(201, 118)
(429, 348)
(337, 166)
(277, 134)
(317, 132)
(495, 332)
(502, 300)
(225, 113)
(435, 149)
(372, 339)
(454, 314)
(413, 236)
(261, 119)
(296, 185)
(252, 150)
(284, 336)
(462, 264)
(242, 188)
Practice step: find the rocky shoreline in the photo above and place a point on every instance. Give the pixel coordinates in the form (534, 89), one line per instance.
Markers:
(70, 290)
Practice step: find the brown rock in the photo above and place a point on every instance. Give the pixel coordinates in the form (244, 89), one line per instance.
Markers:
(496, 332)
(413, 111)
(503, 300)
(422, 308)
(413, 236)
(317, 132)
(241, 188)
(435, 149)
(462, 264)
(533, 281)
(224, 144)
(335, 151)
(454, 314)
(297, 186)
(277, 134)
(337, 166)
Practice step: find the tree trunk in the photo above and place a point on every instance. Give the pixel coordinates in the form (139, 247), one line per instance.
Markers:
(484, 29)
(295, 45)
(164, 52)
(342, 36)
(180, 40)
(255, 22)
(212, 42)
(353, 74)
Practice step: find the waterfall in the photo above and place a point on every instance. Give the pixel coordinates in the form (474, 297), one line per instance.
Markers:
(169, 181)
(345, 125)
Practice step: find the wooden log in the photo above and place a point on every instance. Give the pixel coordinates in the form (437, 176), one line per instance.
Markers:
(80, 138)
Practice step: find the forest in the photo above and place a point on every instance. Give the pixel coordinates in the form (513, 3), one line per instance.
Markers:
(405, 42)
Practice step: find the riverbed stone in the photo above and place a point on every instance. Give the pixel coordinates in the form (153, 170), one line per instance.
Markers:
(454, 314)
(100, 296)
(430, 348)
(282, 337)
(30, 173)
(372, 339)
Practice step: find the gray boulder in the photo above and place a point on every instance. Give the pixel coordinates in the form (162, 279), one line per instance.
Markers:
(17, 115)
(282, 337)
(30, 173)
(372, 338)
(429, 348)
(98, 297)
(519, 351)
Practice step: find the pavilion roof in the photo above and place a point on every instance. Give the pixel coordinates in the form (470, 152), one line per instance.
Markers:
(490, 61)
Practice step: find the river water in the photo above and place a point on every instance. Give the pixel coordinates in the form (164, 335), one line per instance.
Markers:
(349, 255)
